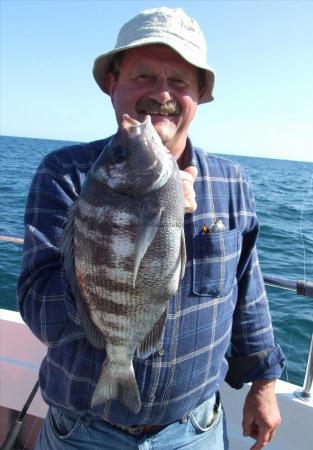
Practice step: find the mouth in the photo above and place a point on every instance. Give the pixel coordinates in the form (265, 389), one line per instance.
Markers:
(160, 114)
(153, 108)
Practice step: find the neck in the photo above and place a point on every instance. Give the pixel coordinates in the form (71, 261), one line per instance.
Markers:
(177, 148)
(185, 158)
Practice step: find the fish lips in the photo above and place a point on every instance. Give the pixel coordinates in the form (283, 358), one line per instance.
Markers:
(134, 158)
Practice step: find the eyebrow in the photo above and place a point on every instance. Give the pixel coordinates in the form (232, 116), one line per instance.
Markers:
(147, 70)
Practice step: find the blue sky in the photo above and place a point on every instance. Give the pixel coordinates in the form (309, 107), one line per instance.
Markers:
(261, 52)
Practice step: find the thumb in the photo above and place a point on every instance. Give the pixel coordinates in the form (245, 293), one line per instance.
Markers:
(193, 171)
(188, 177)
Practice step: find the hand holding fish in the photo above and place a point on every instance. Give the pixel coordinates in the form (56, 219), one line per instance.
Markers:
(188, 177)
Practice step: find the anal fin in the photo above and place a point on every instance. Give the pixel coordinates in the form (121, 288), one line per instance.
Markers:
(183, 254)
(154, 338)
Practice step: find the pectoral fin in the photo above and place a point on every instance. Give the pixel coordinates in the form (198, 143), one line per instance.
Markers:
(149, 222)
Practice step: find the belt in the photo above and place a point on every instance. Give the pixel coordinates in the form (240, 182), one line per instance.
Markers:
(137, 430)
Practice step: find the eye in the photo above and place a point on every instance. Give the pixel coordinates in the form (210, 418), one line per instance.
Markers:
(119, 155)
(178, 83)
(143, 78)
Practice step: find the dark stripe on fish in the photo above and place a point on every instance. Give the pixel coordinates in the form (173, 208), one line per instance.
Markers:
(118, 342)
(90, 193)
(104, 255)
(105, 305)
(114, 326)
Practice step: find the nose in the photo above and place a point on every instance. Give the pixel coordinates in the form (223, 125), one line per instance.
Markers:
(161, 91)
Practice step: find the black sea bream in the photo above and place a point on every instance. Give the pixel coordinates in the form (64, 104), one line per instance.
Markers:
(124, 253)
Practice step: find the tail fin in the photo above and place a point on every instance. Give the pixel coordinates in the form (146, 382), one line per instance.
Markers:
(121, 386)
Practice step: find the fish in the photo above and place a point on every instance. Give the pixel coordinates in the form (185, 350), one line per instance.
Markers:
(124, 253)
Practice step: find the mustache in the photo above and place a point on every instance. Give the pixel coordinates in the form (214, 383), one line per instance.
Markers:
(147, 106)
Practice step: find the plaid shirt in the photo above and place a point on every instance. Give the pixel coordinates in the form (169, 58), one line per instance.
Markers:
(221, 304)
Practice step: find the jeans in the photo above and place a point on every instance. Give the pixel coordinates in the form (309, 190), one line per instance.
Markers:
(62, 431)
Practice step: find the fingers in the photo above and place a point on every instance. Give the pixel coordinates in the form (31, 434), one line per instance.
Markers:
(262, 439)
(188, 177)
(271, 436)
(193, 171)
(262, 435)
(250, 429)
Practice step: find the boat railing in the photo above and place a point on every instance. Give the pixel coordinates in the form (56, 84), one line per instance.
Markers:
(300, 287)
(10, 238)
(306, 394)
(305, 288)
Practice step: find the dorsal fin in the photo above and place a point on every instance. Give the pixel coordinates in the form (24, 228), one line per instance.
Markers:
(67, 249)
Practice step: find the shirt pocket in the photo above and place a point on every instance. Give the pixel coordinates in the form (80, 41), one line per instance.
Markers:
(215, 259)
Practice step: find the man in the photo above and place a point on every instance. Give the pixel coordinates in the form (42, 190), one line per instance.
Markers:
(158, 67)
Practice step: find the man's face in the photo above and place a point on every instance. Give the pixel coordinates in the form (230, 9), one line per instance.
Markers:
(155, 80)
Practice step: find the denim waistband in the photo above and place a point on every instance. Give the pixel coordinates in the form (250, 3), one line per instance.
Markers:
(204, 414)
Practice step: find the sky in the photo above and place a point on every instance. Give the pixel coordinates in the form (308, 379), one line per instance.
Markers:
(261, 52)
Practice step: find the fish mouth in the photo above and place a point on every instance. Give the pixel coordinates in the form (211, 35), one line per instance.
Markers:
(152, 107)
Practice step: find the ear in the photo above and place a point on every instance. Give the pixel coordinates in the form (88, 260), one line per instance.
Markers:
(201, 93)
(110, 82)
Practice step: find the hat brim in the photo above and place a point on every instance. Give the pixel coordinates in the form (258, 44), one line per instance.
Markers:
(102, 65)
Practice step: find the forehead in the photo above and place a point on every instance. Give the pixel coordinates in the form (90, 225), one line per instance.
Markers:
(154, 56)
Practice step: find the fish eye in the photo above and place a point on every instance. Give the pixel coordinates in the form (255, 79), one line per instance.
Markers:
(118, 155)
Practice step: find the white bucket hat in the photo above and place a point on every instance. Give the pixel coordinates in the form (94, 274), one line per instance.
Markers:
(171, 27)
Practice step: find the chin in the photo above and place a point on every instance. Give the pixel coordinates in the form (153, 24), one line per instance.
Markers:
(164, 132)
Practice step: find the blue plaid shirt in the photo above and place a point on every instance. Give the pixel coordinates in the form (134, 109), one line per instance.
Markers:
(220, 308)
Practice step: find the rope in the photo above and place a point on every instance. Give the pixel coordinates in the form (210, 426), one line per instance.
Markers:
(14, 239)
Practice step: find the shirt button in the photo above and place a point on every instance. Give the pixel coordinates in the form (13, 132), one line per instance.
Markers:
(152, 398)
(161, 351)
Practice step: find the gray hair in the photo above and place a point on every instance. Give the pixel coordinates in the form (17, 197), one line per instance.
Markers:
(115, 64)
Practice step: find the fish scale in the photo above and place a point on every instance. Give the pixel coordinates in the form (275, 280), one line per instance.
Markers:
(124, 253)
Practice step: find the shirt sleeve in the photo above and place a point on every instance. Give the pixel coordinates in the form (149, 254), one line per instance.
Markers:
(253, 353)
(44, 297)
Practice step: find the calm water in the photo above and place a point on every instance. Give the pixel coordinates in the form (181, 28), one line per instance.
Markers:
(284, 197)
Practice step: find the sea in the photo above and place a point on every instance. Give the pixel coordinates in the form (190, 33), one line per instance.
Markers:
(284, 201)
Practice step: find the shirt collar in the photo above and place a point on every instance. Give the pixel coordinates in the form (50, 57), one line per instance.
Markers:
(188, 157)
